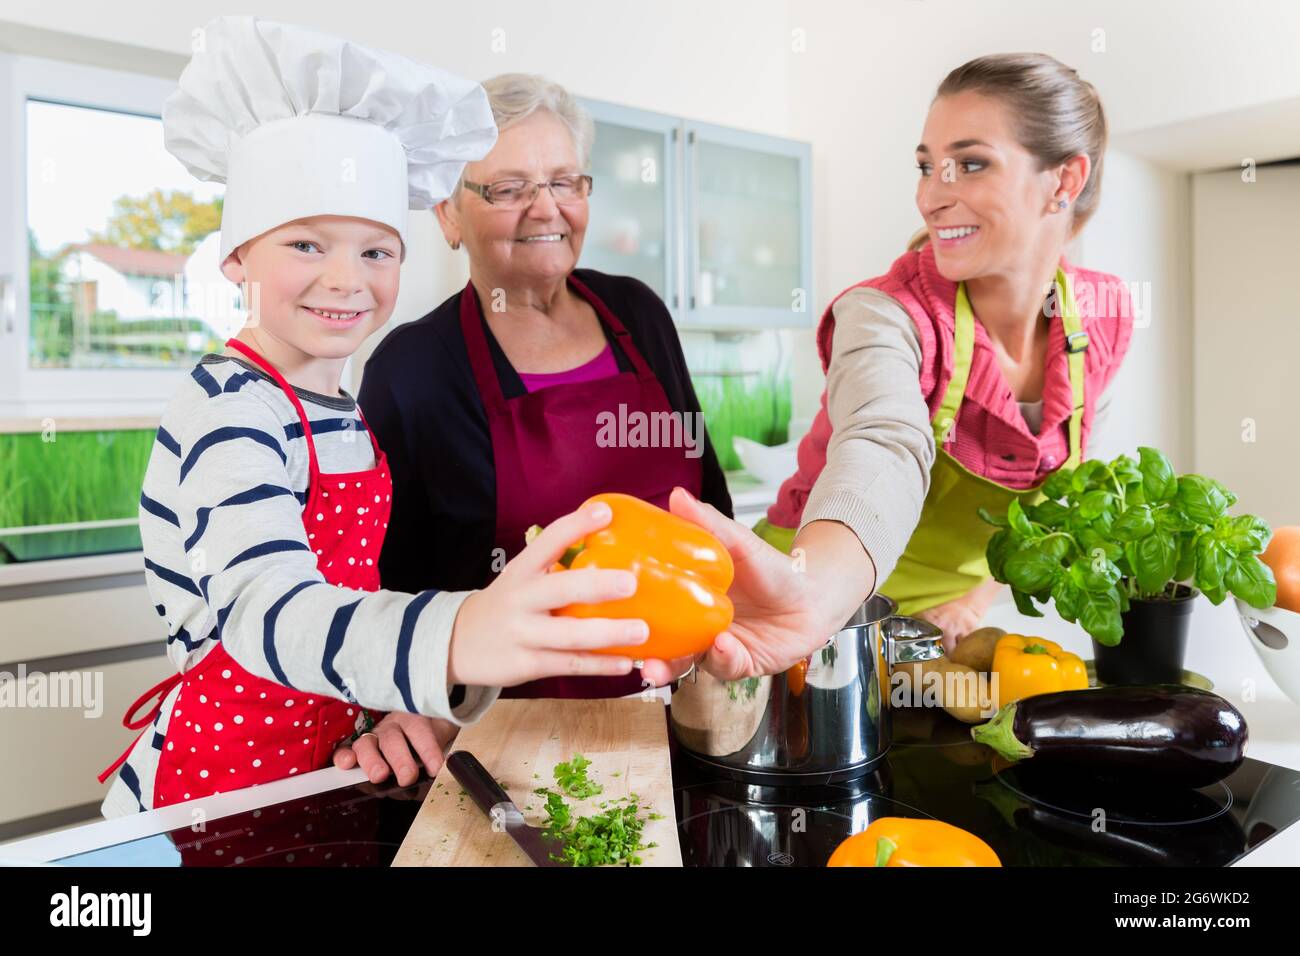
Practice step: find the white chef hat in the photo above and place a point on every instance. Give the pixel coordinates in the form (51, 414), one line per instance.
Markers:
(298, 123)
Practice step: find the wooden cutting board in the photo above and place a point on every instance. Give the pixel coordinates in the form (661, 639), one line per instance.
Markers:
(520, 742)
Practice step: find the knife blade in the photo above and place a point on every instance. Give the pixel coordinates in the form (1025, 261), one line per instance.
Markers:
(501, 810)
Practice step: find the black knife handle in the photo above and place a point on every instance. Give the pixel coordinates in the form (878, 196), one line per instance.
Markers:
(478, 783)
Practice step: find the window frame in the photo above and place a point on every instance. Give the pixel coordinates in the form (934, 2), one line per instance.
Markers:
(54, 393)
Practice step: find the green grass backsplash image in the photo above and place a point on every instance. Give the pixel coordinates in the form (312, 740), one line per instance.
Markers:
(79, 476)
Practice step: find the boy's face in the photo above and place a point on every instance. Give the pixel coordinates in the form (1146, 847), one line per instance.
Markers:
(321, 284)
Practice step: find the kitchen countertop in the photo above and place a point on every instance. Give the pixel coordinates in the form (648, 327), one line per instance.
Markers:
(1218, 648)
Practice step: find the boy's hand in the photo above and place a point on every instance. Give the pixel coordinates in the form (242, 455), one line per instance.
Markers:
(505, 634)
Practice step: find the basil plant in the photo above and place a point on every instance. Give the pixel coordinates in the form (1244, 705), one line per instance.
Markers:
(1108, 533)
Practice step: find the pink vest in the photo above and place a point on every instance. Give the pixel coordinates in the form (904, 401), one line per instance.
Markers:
(992, 438)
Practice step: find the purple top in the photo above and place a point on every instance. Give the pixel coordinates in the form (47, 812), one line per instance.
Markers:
(602, 366)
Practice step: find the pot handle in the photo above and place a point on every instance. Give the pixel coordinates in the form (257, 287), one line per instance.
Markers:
(909, 639)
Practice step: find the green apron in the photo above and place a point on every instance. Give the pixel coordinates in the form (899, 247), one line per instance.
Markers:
(945, 558)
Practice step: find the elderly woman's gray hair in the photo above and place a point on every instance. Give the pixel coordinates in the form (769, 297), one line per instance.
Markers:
(516, 96)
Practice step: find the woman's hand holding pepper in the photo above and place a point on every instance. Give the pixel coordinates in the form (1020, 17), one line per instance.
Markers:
(784, 611)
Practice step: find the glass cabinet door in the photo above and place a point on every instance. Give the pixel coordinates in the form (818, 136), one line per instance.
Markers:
(633, 222)
(749, 262)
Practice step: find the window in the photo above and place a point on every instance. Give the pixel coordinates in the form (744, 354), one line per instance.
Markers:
(109, 247)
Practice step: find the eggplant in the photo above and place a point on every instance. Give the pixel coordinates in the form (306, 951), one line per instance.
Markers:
(1158, 734)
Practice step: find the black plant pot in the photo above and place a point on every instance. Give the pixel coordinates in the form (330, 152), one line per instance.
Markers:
(1154, 643)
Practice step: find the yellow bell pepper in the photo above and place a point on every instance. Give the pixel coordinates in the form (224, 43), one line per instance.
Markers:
(1025, 666)
(903, 841)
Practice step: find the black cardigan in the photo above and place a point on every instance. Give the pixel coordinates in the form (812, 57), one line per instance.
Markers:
(439, 449)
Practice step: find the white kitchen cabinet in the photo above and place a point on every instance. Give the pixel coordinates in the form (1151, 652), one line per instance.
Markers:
(718, 221)
(96, 644)
(52, 755)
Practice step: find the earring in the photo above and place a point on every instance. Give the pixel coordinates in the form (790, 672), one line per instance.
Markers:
(455, 244)
(1062, 203)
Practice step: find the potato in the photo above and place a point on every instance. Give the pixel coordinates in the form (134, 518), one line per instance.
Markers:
(976, 648)
(958, 695)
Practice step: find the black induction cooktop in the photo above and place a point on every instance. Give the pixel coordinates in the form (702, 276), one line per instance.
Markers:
(933, 769)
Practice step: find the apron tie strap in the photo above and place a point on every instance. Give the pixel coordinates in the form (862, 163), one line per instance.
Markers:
(160, 691)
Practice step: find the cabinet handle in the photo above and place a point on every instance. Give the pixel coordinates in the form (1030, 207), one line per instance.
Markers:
(693, 270)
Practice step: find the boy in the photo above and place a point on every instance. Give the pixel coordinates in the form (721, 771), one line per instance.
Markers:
(266, 500)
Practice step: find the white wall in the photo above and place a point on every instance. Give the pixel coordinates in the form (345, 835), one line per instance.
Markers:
(1247, 339)
(1140, 234)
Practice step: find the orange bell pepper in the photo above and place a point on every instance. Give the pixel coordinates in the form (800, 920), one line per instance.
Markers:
(902, 841)
(1024, 666)
(682, 572)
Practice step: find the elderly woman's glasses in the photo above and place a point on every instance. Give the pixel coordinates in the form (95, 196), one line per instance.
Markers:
(520, 193)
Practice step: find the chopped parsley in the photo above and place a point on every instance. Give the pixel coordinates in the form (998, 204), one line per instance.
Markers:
(610, 837)
(572, 778)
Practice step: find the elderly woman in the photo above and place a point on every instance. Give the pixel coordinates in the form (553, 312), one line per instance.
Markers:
(495, 408)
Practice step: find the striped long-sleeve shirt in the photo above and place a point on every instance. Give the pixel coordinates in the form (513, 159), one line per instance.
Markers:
(227, 475)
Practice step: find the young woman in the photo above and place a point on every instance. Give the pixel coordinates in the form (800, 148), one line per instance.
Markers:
(961, 378)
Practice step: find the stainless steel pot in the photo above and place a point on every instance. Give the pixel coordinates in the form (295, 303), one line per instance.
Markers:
(827, 722)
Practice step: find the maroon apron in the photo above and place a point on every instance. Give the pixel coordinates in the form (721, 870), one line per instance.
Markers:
(548, 460)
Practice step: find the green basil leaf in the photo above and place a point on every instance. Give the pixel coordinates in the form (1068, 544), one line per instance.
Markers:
(1095, 574)
(1158, 481)
(1094, 503)
(1200, 499)
(1002, 544)
(1019, 521)
(1090, 541)
(1212, 561)
(1053, 547)
(1124, 564)
(1252, 581)
(1099, 616)
(1068, 598)
(1243, 535)
(1154, 558)
(1030, 570)
(1133, 523)
(990, 518)
(1084, 478)
(1057, 484)
(1216, 594)
(1171, 520)
(1024, 604)
(1228, 496)
(1126, 470)
(1048, 512)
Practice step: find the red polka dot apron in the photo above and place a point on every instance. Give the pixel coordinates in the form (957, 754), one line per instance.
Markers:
(549, 458)
(230, 728)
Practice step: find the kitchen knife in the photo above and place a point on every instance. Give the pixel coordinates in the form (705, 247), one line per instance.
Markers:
(501, 810)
